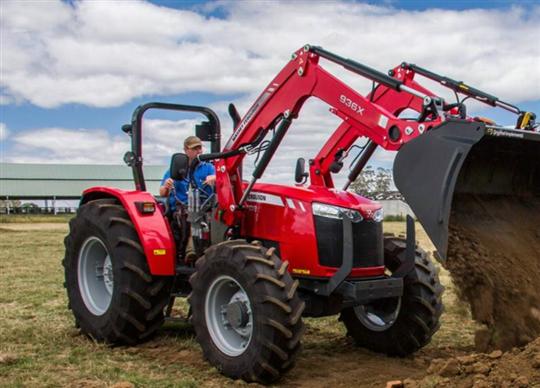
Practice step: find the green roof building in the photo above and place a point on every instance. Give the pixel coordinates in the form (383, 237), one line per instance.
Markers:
(67, 181)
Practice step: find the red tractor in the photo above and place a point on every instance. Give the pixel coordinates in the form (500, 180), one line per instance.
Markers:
(271, 254)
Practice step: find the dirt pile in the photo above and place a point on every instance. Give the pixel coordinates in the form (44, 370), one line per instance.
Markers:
(494, 259)
(515, 368)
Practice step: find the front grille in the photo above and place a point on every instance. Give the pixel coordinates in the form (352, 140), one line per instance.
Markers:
(367, 242)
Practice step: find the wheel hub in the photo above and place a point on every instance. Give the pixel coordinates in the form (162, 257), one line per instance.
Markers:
(236, 313)
(229, 317)
(108, 274)
(95, 275)
(379, 315)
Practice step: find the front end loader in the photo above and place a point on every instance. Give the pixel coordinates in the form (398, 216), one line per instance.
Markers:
(483, 213)
(270, 254)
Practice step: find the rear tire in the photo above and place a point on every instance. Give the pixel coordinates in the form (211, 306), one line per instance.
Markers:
(111, 292)
(246, 312)
(399, 326)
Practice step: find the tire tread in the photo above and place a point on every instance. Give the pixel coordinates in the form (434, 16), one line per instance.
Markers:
(272, 293)
(136, 310)
(420, 312)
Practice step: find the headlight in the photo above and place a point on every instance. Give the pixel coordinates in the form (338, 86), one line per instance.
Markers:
(336, 212)
(378, 216)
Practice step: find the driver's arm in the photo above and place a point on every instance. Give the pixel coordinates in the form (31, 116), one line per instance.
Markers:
(210, 180)
(165, 189)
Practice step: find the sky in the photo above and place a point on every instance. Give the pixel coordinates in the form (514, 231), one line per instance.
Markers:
(72, 72)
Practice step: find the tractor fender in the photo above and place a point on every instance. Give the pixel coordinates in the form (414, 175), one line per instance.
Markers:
(153, 229)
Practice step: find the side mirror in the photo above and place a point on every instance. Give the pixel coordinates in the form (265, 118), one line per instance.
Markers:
(235, 116)
(179, 166)
(300, 175)
(204, 131)
(127, 128)
(337, 164)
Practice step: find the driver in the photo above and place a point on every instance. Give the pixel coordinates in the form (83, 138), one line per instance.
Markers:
(204, 176)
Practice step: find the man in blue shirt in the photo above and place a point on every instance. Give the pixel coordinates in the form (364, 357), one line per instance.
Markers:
(204, 176)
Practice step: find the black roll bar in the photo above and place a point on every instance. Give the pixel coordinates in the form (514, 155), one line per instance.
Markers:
(134, 158)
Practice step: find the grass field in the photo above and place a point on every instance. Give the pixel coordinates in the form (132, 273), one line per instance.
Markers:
(39, 345)
(34, 218)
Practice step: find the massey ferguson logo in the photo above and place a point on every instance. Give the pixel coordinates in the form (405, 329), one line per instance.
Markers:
(269, 199)
(257, 197)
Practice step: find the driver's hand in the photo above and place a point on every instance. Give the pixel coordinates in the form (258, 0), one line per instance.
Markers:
(169, 183)
(210, 180)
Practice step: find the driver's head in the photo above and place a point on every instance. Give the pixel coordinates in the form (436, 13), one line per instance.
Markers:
(192, 147)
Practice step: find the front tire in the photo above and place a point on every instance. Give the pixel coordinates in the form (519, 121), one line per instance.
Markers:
(246, 312)
(111, 292)
(399, 326)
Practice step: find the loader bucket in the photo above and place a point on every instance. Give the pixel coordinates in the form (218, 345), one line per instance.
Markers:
(476, 192)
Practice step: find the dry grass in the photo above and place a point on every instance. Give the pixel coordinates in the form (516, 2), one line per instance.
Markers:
(39, 345)
(34, 218)
(43, 347)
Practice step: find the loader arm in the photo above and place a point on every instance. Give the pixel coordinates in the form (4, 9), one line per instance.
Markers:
(433, 148)
(280, 103)
(462, 156)
(393, 101)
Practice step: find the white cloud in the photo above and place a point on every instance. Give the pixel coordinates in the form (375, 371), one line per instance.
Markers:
(4, 132)
(61, 145)
(161, 138)
(6, 100)
(102, 53)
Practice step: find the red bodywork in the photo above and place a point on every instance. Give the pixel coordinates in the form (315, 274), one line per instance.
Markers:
(284, 214)
(289, 220)
(153, 229)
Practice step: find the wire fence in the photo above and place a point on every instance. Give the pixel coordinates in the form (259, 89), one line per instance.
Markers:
(36, 210)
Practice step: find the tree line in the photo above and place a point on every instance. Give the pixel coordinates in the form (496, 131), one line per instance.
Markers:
(375, 184)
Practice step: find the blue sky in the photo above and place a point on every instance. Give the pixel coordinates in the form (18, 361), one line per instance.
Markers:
(72, 72)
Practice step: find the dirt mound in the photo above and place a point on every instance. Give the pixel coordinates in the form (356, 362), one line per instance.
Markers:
(516, 368)
(494, 259)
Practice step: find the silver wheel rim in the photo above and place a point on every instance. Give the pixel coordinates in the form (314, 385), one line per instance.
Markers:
(379, 315)
(229, 317)
(95, 275)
